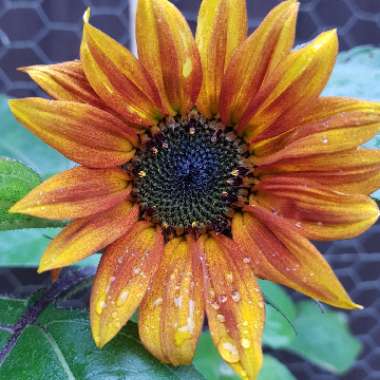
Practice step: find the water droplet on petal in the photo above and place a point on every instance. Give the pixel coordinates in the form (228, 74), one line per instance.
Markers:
(228, 351)
(247, 260)
(157, 302)
(235, 296)
(100, 306)
(122, 297)
(245, 343)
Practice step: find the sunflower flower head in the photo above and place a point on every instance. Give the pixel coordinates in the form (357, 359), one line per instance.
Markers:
(204, 163)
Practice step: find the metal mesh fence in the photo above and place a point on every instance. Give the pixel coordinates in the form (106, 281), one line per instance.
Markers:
(44, 31)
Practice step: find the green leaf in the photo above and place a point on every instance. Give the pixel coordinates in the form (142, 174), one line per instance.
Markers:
(324, 338)
(58, 345)
(280, 316)
(16, 180)
(274, 370)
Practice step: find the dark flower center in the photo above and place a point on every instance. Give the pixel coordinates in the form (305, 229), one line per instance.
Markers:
(189, 174)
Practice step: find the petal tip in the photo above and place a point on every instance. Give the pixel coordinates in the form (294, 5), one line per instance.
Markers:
(87, 15)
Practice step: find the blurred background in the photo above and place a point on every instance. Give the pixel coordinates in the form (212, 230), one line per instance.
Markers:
(47, 31)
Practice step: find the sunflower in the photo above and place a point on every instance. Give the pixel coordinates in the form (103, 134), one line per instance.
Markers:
(204, 164)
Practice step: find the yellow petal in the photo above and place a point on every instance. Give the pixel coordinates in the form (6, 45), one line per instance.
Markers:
(318, 212)
(83, 133)
(76, 193)
(86, 236)
(118, 78)
(122, 279)
(256, 59)
(222, 27)
(171, 316)
(167, 49)
(234, 305)
(296, 82)
(278, 252)
(64, 81)
(355, 171)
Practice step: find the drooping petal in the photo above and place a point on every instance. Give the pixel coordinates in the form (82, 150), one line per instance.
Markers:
(171, 315)
(122, 279)
(86, 236)
(318, 212)
(296, 82)
(279, 253)
(256, 59)
(167, 49)
(346, 126)
(234, 305)
(222, 27)
(119, 78)
(64, 81)
(76, 193)
(324, 114)
(353, 171)
(83, 133)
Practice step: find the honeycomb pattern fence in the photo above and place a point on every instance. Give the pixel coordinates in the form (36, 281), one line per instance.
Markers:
(46, 31)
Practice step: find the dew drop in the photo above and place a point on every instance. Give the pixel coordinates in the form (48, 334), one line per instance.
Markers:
(245, 343)
(325, 140)
(247, 260)
(136, 270)
(235, 296)
(100, 306)
(228, 351)
(178, 301)
(157, 302)
(122, 297)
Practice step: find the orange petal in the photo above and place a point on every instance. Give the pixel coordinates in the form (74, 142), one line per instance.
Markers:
(86, 236)
(64, 81)
(279, 253)
(256, 59)
(171, 316)
(167, 49)
(349, 124)
(351, 171)
(118, 78)
(75, 193)
(324, 114)
(296, 83)
(318, 212)
(234, 305)
(122, 279)
(81, 132)
(222, 27)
